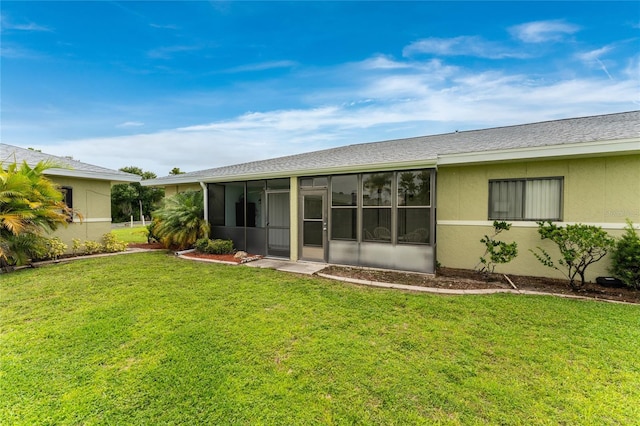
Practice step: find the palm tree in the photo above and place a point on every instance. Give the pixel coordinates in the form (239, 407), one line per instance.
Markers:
(30, 205)
(180, 221)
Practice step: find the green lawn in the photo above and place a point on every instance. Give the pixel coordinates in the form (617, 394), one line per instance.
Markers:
(137, 234)
(151, 339)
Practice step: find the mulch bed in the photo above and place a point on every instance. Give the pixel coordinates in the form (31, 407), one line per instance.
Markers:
(464, 279)
(149, 246)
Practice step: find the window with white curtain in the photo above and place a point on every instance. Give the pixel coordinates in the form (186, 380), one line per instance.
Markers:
(526, 199)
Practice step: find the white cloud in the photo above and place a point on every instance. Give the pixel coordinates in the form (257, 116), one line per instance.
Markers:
(127, 124)
(262, 66)
(383, 108)
(460, 46)
(5, 24)
(593, 58)
(593, 55)
(165, 27)
(168, 51)
(543, 31)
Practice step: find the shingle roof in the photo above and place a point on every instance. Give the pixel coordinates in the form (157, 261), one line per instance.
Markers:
(601, 128)
(68, 167)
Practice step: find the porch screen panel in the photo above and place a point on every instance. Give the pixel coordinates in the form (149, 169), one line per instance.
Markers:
(344, 207)
(543, 199)
(279, 220)
(377, 206)
(216, 204)
(414, 202)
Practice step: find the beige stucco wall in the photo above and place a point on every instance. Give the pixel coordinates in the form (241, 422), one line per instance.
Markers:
(601, 191)
(171, 190)
(91, 199)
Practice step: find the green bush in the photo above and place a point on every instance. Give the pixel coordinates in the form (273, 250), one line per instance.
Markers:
(625, 258)
(91, 247)
(180, 222)
(51, 248)
(580, 245)
(111, 244)
(205, 245)
(496, 252)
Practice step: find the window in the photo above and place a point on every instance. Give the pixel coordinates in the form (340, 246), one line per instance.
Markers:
(67, 196)
(67, 199)
(526, 199)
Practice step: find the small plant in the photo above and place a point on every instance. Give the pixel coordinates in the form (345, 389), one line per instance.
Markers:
(111, 244)
(76, 248)
(91, 247)
(205, 245)
(497, 252)
(625, 258)
(54, 248)
(580, 246)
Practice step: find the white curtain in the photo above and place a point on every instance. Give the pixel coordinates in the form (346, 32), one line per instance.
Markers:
(543, 198)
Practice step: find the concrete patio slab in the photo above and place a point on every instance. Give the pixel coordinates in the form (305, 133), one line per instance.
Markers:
(306, 268)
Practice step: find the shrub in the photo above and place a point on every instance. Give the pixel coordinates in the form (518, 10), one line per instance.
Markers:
(580, 245)
(205, 245)
(76, 248)
(180, 221)
(497, 252)
(625, 258)
(53, 248)
(91, 247)
(111, 244)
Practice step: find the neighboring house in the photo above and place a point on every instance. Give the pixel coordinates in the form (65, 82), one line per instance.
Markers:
(410, 204)
(86, 189)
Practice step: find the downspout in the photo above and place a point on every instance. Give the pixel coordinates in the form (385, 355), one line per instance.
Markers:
(205, 194)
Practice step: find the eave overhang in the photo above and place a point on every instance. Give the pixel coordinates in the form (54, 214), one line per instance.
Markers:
(82, 174)
(583, 149)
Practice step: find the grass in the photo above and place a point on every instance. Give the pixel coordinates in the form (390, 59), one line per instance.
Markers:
(151, 339)
(137, 234)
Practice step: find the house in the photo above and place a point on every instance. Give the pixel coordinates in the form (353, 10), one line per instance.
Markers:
(86, 189)
(410, 204)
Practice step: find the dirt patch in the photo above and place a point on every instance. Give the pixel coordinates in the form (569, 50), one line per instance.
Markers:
(464, 279)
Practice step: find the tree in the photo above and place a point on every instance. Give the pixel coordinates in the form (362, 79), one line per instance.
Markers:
(580, 246)
(180, 221)
(30, 206)
(176, 171)
(127, 197)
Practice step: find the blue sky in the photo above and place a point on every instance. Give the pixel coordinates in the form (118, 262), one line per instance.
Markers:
(202, 84)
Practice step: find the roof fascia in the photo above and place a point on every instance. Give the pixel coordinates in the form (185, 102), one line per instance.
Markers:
(402, 165)
(616, 147)
(92, 175)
